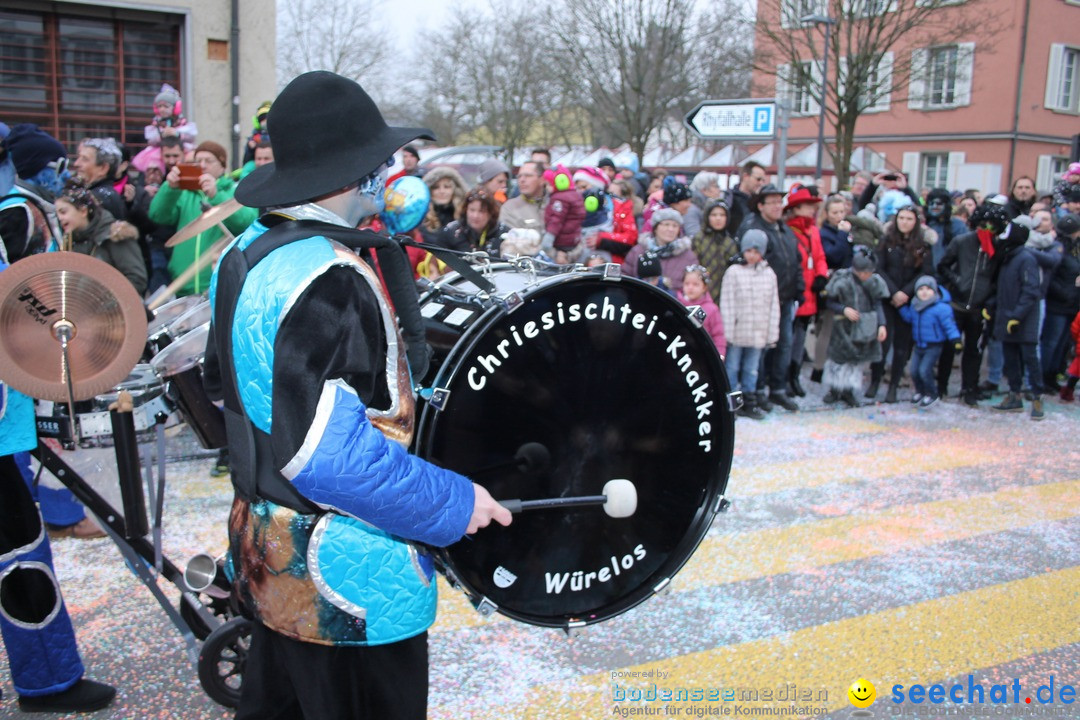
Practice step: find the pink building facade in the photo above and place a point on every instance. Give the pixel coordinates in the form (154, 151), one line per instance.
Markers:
(978, 112)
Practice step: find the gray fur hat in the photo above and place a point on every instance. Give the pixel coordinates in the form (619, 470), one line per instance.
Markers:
(666, 215)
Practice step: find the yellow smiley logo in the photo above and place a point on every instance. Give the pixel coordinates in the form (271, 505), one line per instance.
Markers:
(862, 693)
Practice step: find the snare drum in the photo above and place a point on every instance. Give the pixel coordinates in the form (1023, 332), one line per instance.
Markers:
(158, 333)
(196, 316)
(616, 379)
(181, 364)
(147, 394)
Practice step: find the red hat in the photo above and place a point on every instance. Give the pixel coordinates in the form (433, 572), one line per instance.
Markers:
(800, 195)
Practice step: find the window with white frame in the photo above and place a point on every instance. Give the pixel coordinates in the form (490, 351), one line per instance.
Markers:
(876, 88)
(795, 84)
(1063, 79)
(935, 170)
(792, 11)
(870, 8)
(941, 77)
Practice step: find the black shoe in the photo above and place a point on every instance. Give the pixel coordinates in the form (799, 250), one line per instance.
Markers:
(988, 387)
(1051, 383)
(83, 696)
(779, 398)
(970, 398)
(815, 375)
(871, 391)
(1028, 395)
(1037, 408)
(890, 396)
(831, 397)
(848, 396)
(763, 403)
(1011, 403)
(794, 385)
(751, 411)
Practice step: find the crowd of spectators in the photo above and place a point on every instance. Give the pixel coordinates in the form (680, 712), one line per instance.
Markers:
(877, 236)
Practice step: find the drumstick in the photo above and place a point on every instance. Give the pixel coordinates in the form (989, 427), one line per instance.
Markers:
(200, 262)
(619, 500)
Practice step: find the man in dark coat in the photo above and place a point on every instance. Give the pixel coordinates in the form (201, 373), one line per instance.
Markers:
(969, 271)
(1016, 319)
(782, 254)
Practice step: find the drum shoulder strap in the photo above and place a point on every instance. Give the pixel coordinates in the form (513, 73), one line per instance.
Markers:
(251, 454)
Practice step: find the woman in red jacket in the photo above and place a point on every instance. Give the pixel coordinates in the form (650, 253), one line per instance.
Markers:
(800, 213)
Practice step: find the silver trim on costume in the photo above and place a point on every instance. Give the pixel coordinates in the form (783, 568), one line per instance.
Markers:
(414, 556)
(330, 594)
(14, 554)
(323, 410)
(40, 567)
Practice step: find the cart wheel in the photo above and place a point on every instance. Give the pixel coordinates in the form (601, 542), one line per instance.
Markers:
(222, 660)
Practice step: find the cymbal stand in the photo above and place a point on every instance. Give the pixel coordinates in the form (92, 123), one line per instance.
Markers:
(136, 551)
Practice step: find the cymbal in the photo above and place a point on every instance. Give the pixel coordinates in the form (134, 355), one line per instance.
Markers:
(210, 218)
(42, 293)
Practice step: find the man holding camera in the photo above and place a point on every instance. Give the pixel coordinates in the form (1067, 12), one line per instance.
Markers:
(883, 181)
(187, 193)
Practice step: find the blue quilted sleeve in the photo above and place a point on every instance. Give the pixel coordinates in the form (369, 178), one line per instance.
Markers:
(347, 465)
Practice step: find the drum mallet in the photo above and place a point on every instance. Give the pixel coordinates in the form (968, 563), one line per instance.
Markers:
(619, 500)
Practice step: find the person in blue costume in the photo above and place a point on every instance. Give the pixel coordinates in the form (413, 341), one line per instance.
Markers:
(329, 507)
(46, 669)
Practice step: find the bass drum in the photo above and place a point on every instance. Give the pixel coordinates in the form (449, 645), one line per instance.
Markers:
(550, 387)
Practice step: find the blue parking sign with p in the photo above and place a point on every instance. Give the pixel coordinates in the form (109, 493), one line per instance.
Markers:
(763, 119)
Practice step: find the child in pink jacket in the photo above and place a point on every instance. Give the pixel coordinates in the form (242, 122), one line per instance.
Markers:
(695, 291)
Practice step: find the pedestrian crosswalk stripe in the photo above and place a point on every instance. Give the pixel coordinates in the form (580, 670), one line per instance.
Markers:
(922, 643)
(800, 548)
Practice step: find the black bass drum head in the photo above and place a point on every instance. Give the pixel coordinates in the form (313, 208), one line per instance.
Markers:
(615, 381)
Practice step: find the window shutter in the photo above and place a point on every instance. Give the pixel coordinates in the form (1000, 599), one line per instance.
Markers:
(965, 72)
(1053, 77)
(884, 89)
(910, 166)
(917, 84)
(783, 87)
(841, 77)
(952, 176)
(815, 87)
(1044, 176)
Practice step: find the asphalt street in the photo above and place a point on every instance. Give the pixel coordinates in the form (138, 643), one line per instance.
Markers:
(900, 546)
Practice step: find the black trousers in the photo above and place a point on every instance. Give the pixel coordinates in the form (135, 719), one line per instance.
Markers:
(285, 679)
(899, 339)
(970, 326)
(1022, 360)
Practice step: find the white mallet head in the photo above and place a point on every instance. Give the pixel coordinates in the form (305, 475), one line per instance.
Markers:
(621, 498)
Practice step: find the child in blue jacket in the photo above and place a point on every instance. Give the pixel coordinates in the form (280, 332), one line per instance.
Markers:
(932, 325)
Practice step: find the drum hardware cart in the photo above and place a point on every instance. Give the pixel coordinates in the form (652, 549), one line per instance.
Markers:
(93, 314)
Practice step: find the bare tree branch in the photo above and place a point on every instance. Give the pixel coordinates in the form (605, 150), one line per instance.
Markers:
(334, 35)
(863, 34)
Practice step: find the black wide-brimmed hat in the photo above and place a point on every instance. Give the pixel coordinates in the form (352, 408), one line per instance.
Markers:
(327, 134)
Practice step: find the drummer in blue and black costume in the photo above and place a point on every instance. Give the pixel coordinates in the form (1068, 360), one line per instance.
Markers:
(341, 599)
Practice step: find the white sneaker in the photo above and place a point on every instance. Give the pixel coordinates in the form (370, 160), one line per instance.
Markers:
(916, 398)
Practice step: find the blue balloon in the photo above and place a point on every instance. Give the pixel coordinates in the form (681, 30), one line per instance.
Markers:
(407, 200)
